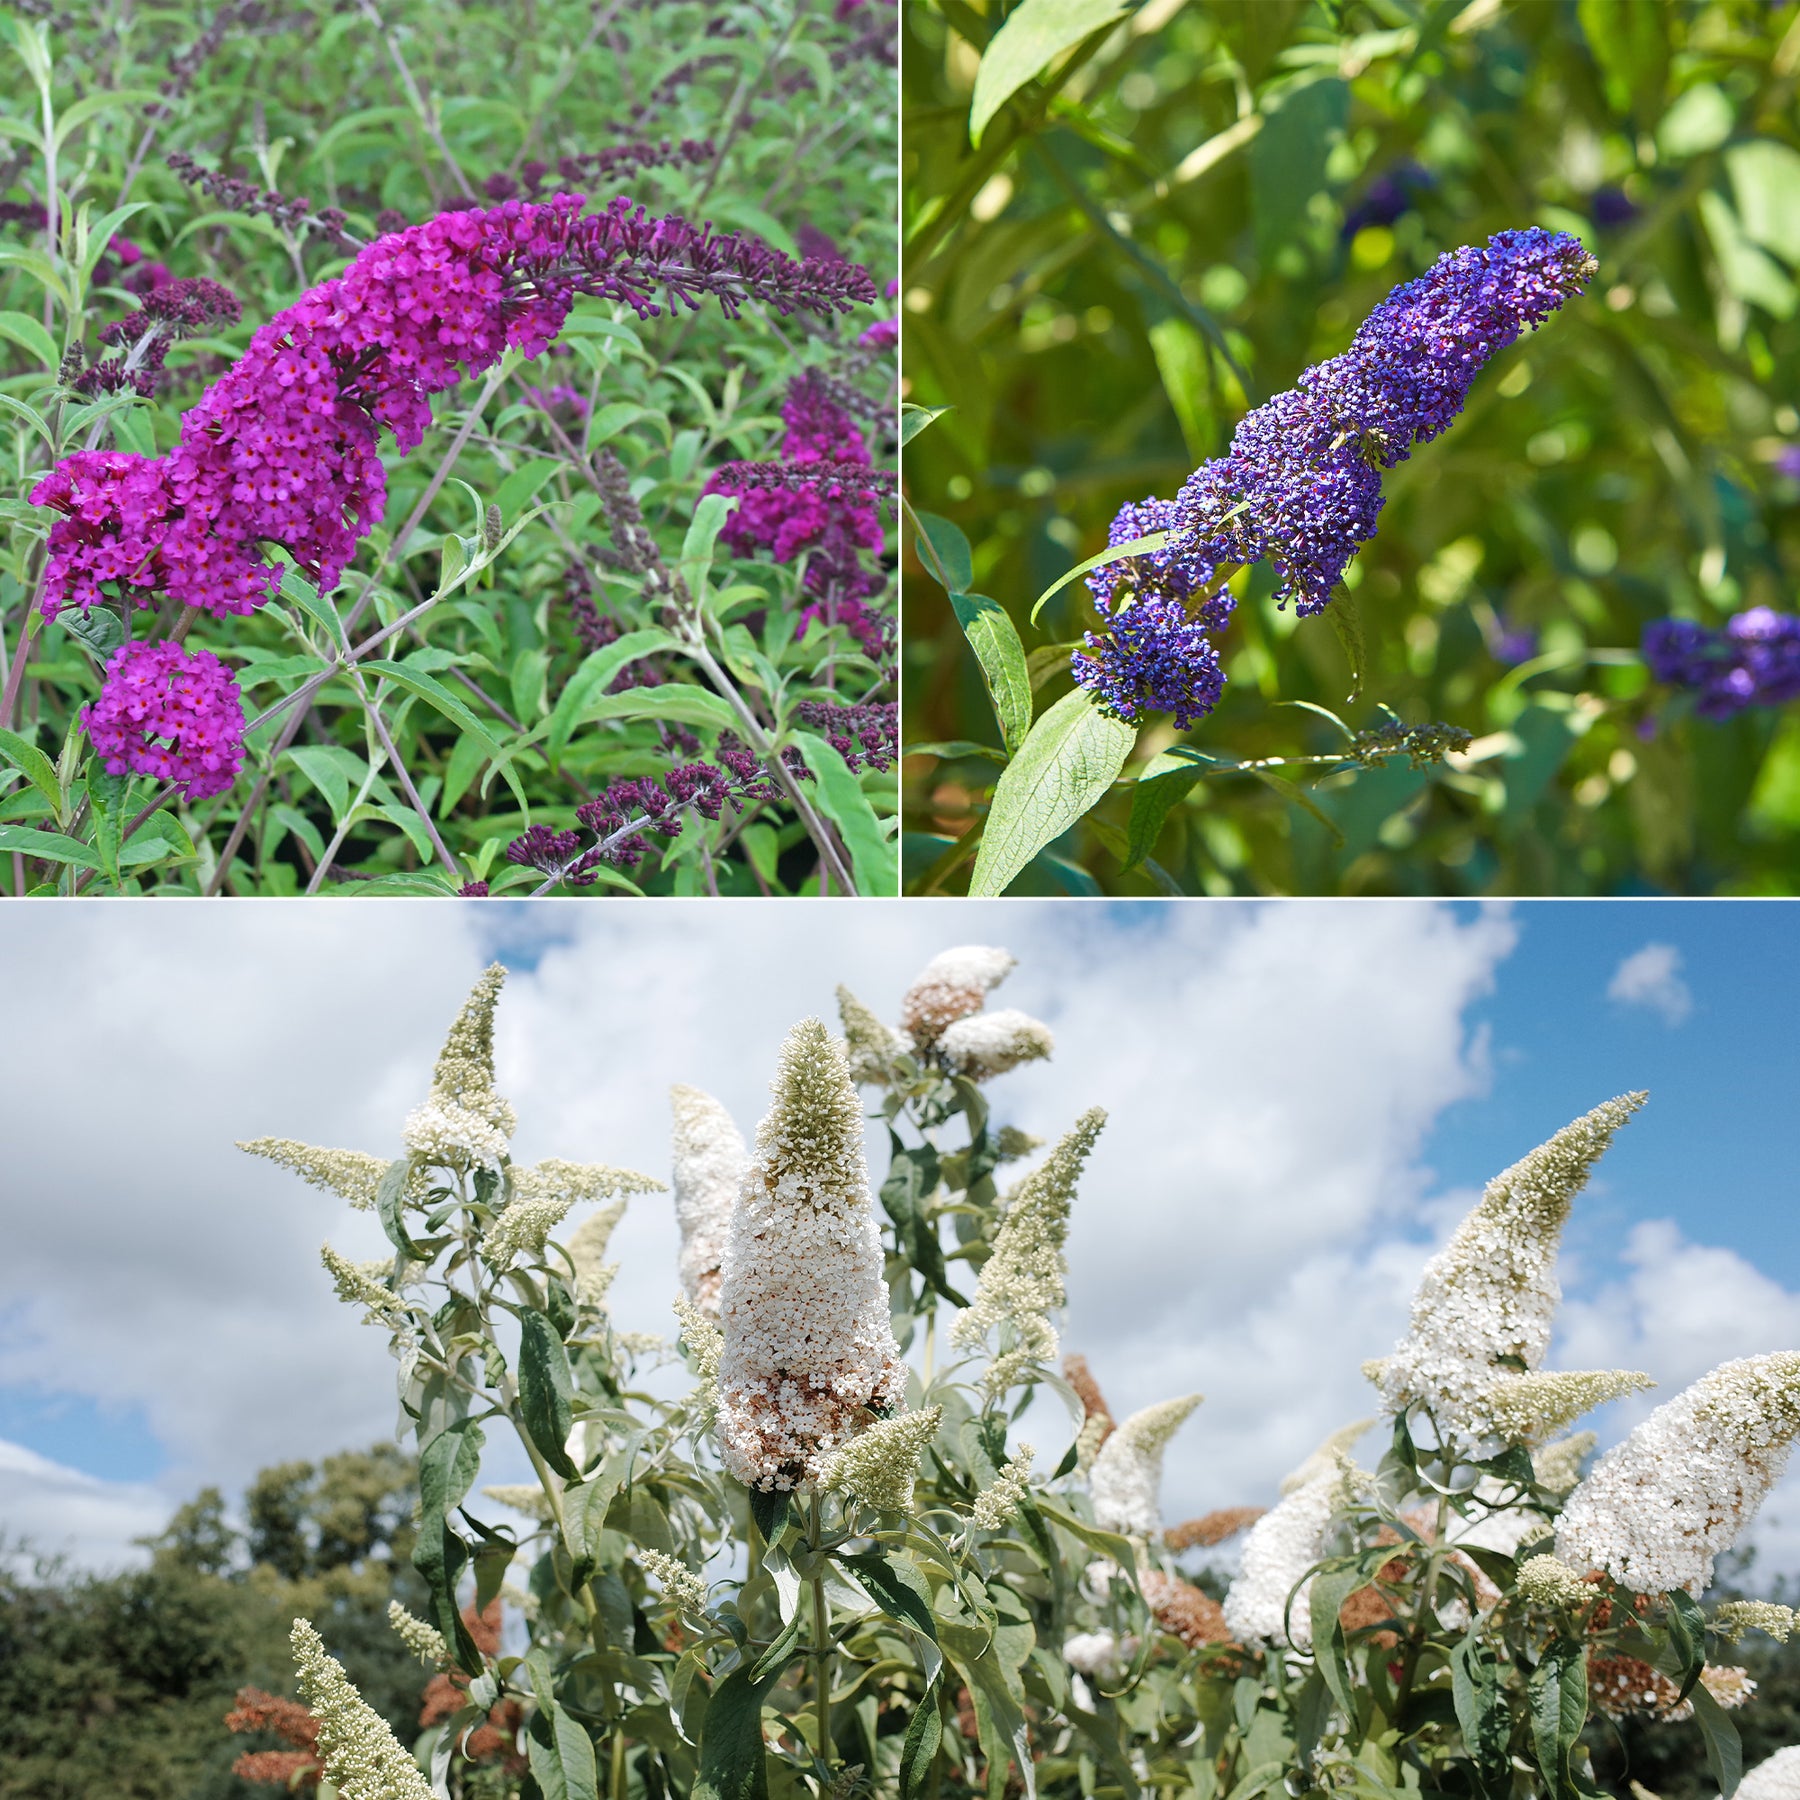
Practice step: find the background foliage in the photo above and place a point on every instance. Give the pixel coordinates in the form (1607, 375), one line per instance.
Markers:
(773, 119)
(1172, 220)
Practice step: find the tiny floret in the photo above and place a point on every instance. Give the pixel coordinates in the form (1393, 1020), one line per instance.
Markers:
(683, 1589)
(356, 1286)
(1544, 1581)
(999, 1500)
(1529, 1408)
(349, 1174)
(426, 1642)
(1736, 1617)
(1776, 1777)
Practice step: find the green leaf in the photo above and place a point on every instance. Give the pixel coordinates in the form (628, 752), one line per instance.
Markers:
(702, 534)
(896, 1587)
(1330, 1589)
(1346, 617)
(673, 700)
(23, 329)
(1724, 1748)
(1037, 32)
(914, 419)
(546, 1390)
(47, 846)
(448, 1465)
(596, 674)
(34, 765)
(924, 1736)
(995, 640)
(433, 692)
(389, 1199)
(523, 483)
(781, 1652)
(1558, 1695)
(770, 1511)
(1288, 158)
(912, 1179)
(1105, 1543)
(1066, 765)
(732, 1756)
(1153, 540)
(1475, 1689)
(1765, 183)
(1687, 1638)
(561, 1752)
(874, 862)
(131, 427)
(1151, 803)
(945, 552)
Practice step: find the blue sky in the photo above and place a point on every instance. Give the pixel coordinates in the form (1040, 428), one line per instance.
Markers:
(1305, 1097)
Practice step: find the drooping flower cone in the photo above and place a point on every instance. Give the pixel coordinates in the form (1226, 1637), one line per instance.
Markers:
(709, 1162)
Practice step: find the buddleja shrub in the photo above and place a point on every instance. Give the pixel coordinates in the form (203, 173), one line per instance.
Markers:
(828, 1564)
(618, 617)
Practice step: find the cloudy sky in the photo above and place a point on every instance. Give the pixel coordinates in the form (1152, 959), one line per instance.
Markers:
(1304, 1098)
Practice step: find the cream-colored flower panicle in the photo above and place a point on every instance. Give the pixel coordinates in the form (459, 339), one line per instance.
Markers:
(1283, 1544)
(681, 1587)
(710, 1159)
(349, 1174)
(1776, 1777)
(1100, 1654)
(1126, 1479)
(809, 1345)
(1659, 1507)
(954, 984)
(464, 1123)
(361, 1756)
(1327, 1458)
(999, 1500)
(1546, 1581)
(1022, 1281)
(1736, 1617)
(586, 1251)
(542, 1196)
(1487, 1300)
(361, 1284)
(881, 1466)
(872, 1048)
(426, 1642)
(1558, 1466)
(988, 1044)
(1530, 1408)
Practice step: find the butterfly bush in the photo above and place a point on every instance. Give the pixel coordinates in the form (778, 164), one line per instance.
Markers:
(1300, 485)
(1753, 660)
(283, 451)
(820, 1542)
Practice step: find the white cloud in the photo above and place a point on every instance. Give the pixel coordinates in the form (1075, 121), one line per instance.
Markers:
(1651, 978)
(61, 1512)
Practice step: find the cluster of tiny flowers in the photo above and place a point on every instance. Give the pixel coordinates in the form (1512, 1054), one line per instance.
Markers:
(988, 1044)
(235, 194)
(1022, 1281)
(881, 1466)
(1753, 661)
(169, 713)
(284, 448)
(999, 1500)
(1775, 1778)
(586, 1250)
(559, 398)
(952, 985)
(870, 1046)
(1283, 1544)
(864, 734)
(357, 1286)
(1211, 1528)
(464, 1123)
(631, 808)
(361, 1756)
(1126, 1479)
(1183, 1610)
(709, 1158)
(166, 312)
(834, 477)
(349, 1174)
(1421, 745)
(809, 1343)
(830, 522)
(1544, 1581)
(1300, 486)
(705, 1341)
(1736, 1617)
(1100, 1654)
(1150, 654)
(1491, 1292)
(1558, 1466)
(1530, 1408)
(1659, 1507)
(1623, 1686)
(426, 1642)
(542, 1196)
(682, 1588)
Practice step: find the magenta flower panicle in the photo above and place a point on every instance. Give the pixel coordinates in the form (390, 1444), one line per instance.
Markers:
(170, 713)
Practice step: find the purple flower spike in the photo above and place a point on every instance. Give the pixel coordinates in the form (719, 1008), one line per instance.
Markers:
(1754, 661)
(1300, 486)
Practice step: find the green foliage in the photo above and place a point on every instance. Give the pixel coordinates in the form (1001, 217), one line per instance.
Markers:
(451, 693)
(119, 1684)
(1155, 230)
